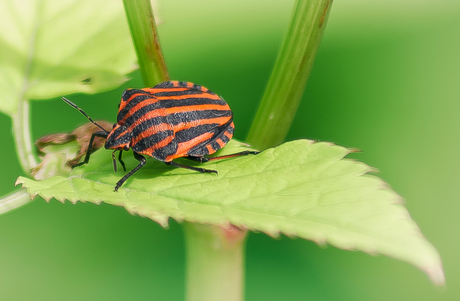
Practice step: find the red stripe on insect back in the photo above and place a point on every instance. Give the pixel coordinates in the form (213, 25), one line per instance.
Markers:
(188, 96)
(162, 127)
(173, 83)
(228, 135)
(187, 125)
(184, 147)
(158, 113)
(168, 89)
(202, 107)
(125, 102)
(220, 142)
(159, 90)
(171, 110)
(176, 86)
(122, 134)
(138, 107)
(148, 151)
(134, 96)
(210, 149)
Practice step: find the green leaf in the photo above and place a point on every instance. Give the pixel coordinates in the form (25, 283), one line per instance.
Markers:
(300, 188)
(52, 48)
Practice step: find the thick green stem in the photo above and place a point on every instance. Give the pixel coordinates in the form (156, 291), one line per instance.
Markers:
(215, 263)
(22, 137)
(289, 77)
(143, 31)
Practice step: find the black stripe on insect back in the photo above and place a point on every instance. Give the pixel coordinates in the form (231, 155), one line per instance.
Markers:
(192, 101)
(180, 84)
(186, 135)
(189, 134)
(231, 130)
(176, 118)
(162, 153)
(186, 117)
(151, 140)
(116, 140)
(215, 145)
(224, 139)
(169, 84)
(133, 102)
(174, 91)
(198, 87)
(201, 149)
(164, 103)
(130, 92)
(178, 93)
(176, 84)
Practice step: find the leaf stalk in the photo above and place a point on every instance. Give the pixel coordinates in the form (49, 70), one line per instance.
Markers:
(14, 200)
(22, 136)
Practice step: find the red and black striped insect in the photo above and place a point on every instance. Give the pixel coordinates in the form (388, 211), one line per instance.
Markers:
(171, 120)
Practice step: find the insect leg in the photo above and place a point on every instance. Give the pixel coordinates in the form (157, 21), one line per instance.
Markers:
(114, 161)
(205, 159)
(202, 170)
(142, 162)
(121, 161)
(90, 146)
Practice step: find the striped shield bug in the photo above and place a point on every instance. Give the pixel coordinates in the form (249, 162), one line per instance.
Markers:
(171, 120)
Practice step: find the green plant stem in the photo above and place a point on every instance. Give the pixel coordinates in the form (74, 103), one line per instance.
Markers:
(14, 200)
(290, 73)
(22, 137)
(143, 31)
(215, 260)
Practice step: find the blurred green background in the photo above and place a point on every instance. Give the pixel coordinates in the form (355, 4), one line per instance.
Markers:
(386, 80)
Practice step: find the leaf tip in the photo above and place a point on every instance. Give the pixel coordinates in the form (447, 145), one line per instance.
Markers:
(436, 274)
(162, 220)
(48, 199)
(373, 170)
(354, 150)
(321, 242)
(273, 233)
(21, 180)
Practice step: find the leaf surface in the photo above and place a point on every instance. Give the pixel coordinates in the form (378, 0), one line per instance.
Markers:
(301, 189)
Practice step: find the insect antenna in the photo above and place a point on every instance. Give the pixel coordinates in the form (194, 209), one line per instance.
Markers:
(83, 113)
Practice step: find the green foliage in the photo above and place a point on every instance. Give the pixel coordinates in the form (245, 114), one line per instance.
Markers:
(56, 48)
(301, 189)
